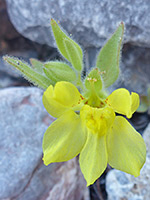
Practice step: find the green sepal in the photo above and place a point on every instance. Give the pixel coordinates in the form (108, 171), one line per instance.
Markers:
(145, 102)
(93, 79)
(37, 65)
(58, 71)
(148, 95)
(67, 47)
(143, 107)
(28, 72)
(94, 85)
(109, 56)
(94, 92)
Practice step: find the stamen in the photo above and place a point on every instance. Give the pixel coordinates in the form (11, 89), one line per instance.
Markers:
(92, 79)
(102, 72)
(82, 97)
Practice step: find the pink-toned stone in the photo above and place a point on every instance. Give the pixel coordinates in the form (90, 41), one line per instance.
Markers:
(71, 184)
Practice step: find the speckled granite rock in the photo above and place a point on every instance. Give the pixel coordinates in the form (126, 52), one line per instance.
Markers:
(23, 121)
(122, 186)
(90, 22)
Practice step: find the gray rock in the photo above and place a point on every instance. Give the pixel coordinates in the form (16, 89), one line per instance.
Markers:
(56, 182)
(90, 22)
(7, 30)
(23, 121)
(4, 67)
(6, 80)
(120, 185)
(135, 68)
(20, 137)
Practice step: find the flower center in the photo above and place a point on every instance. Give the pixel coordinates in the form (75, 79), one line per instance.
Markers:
(95, 101)
(95, 98)
(97, 120)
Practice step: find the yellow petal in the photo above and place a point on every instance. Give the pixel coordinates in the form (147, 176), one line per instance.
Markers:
(66, 94)
(93, 158)
(64, 139)
(62, 97)
(122, 102)
(135, 102)
(126, 147)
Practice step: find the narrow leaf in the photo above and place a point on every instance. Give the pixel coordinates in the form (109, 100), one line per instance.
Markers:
(67, 46)
(58, 71)
(75, 56)
(29, 73)
(37, 65)
(109, 56)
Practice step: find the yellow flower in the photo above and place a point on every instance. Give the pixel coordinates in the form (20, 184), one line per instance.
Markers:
(90, 127)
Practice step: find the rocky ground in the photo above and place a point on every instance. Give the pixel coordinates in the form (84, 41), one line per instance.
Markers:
(25, 33)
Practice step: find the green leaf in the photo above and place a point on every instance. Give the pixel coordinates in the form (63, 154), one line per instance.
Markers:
(108, 58)
(37, 65)
(75, 56)
(58, 71)
(68, 48)
(143, 107)
(28, 72)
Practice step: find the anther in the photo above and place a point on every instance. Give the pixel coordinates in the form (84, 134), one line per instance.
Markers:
(89, 79)
(94, 80)
(102, 72)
